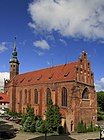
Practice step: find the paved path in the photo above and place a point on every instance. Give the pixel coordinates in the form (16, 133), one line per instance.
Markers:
(87, 136)
(30, 136)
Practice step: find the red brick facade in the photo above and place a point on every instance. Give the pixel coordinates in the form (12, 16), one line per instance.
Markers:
(70, 86)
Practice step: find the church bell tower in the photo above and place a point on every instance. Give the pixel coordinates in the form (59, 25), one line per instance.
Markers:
(14, 63)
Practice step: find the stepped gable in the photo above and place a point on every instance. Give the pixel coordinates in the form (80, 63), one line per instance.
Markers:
(65, 72)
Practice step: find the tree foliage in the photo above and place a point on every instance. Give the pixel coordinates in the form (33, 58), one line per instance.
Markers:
(53, 117)
(29, 113)
(28, 124)
(52, 122)
(100, 100)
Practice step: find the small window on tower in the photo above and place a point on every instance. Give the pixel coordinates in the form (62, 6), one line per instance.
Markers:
(88, 64)
(81, 60)
(77, 68)
(84, 55)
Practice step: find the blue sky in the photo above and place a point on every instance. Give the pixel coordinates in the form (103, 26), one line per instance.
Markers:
(52, 32)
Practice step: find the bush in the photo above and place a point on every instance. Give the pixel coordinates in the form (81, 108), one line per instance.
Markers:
(100, 117)
(81, 128)
(90, 128)
(14, 114)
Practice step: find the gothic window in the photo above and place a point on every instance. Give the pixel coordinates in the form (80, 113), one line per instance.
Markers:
(29, 99)
(64, 96)
(20, 100)
(36, 96)
(48, 95)
(77, 74)
(85, 94)
(25, 97)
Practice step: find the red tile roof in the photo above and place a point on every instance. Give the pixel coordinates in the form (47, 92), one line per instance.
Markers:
(65, 72)
(4, 98)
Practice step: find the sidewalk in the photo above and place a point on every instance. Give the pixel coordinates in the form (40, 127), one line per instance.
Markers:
(86, 136)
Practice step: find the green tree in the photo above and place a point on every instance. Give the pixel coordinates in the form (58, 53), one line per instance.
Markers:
(32, 126)
(39, 124)
(100, 100)
(57, 117)
(28, 124)
(50, 116)
(29, 112)
(53, 117)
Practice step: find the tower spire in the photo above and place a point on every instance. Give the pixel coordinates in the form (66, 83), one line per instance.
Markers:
(14, 43)
(14, 63)
(14, 53)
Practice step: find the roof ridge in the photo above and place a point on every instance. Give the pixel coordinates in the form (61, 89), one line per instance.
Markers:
(46, 68)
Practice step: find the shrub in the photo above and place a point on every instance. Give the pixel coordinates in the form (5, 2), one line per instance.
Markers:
(81, 128)
(100, 117)
(90, 128)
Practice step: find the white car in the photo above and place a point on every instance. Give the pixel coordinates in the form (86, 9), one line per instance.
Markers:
(2, 111)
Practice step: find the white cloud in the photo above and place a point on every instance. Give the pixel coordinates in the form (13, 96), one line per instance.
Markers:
(23, 43)
(99, 85)
(42, 44)
(63, 41)
(102, 41)
(75, 18)
(3, 75)
(48, 63)
(40, 53)
(3, 47)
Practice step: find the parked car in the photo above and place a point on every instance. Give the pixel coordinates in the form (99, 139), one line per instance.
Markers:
(2, 111)
(8, 117)
(18, 120)
(12, 119)
(5, 134)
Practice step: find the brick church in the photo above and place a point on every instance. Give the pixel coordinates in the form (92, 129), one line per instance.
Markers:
(70, 86)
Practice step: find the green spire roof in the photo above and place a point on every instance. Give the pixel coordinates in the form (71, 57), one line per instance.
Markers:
(14, 53)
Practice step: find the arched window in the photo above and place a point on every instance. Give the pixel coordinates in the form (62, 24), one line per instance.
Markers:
(25, 97)
(36, 96)
(20, 102)
(85, 94)
(64, 96)
(29, 98)
(48, 95)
